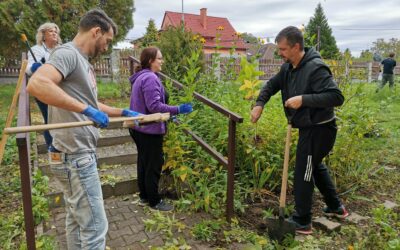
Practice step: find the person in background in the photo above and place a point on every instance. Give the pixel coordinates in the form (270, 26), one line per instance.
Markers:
(68, 84)
(149, 96)
(309, 95)
(388, 74)
(47, 39)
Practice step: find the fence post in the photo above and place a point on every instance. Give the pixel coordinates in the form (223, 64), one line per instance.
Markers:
(114, 64)
(217, 69)
(23, 143)
(369, 72)
(231, 170)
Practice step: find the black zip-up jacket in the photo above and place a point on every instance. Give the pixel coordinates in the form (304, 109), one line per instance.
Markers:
(313, 80)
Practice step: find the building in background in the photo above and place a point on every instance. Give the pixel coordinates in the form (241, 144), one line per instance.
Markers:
(209, 28)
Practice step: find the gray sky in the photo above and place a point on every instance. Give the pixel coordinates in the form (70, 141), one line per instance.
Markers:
(355, 23)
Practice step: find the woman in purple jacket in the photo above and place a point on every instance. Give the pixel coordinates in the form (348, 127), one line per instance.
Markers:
(148, 96)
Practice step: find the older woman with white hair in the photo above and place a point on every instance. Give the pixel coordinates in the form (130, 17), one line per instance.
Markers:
(47, 38)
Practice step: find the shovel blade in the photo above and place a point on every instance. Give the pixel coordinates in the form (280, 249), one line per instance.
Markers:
(279, 229)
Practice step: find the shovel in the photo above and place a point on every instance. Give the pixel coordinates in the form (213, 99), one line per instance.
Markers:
(278, 229)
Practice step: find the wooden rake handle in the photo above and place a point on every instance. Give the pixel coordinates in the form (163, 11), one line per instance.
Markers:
(128, 122)
(282, 198)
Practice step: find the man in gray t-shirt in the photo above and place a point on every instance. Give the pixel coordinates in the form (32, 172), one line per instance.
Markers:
(68, 84)
(78, 82)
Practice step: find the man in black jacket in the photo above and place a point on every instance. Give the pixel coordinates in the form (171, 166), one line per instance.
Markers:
(388, 68)
(309, 95)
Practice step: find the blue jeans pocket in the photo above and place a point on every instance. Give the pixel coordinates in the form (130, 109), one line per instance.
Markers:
(63, 175)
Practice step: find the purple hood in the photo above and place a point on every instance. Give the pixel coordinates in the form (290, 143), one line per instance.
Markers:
(148, 97)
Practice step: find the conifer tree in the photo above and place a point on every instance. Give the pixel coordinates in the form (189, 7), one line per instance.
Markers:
(151, 35)
(327, 42)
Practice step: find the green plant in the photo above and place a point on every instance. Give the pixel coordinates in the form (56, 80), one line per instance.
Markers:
(177, 44)
(40, 206)
(268, 213)
(206, 230)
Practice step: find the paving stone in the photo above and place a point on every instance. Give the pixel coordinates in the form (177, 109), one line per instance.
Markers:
(326, 224)
(137, 227)
(128, 215)
(115, 218)
(136, 246)
(119, 210)
(118, 242)
(155, 242)
(127, 223)
(135, 237)
(120, 232)
(389, 204)
(356, 218)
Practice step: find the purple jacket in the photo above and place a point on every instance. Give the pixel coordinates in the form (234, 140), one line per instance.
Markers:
(148, 97)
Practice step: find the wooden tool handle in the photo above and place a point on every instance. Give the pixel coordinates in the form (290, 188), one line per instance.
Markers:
(35, 128)
(282, 199)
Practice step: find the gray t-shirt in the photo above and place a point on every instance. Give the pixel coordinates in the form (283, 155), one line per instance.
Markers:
(79, 82)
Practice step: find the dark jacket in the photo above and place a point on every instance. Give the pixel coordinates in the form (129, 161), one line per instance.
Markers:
(388, 65)
(313, 80)
(148, 97)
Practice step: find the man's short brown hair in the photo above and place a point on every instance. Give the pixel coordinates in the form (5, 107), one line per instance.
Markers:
(97, 18)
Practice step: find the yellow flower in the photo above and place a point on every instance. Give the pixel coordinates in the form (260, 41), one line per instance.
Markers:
(202, 40)
(220, 27)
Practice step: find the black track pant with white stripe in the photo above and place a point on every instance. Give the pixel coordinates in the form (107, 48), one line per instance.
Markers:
(314, 144)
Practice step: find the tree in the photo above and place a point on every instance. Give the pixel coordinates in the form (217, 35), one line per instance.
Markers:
(23, 16)
(327, 44)
(383, 48)
(366, 55)
(177, 45)
(250, 38)
(151, 35)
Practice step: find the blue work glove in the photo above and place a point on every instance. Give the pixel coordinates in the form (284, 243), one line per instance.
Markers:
(130, 113)
(35, 66)
(100, 118)
(185, 108)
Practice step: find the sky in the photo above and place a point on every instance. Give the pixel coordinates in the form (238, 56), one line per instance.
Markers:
(355, 24)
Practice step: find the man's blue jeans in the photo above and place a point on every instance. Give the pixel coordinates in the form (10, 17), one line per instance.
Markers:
(86, 221)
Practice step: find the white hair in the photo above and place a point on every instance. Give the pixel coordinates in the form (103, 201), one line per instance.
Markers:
(42, 29)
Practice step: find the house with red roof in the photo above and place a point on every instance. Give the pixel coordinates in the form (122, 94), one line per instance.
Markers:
(215, 31)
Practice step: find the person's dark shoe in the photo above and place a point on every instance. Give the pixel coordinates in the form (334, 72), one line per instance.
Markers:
(162, 206)
(339, 213)
(301, 229)
(143, 202)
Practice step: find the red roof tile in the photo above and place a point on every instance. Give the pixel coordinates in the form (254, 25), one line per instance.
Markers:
(193, 23)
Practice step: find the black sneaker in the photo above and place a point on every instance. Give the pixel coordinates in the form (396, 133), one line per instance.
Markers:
(339, 213)
(162, 206)
(143, 202)
(301, 229)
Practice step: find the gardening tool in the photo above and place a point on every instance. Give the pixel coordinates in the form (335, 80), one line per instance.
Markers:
(127, 122)
(13, 108)
(25, 40)
(279, 229)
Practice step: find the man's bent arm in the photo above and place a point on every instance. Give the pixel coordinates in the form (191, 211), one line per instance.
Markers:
(44, 86)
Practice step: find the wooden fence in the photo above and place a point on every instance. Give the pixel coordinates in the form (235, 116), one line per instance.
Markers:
(108, 66)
